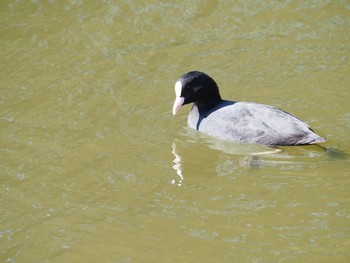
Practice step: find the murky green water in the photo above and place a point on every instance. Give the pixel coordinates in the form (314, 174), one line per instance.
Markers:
(94, 168)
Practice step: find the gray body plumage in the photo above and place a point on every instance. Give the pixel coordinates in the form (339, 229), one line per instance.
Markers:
(252, 123)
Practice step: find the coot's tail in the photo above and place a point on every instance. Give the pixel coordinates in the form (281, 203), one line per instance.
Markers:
(318, 140)
(313, 139)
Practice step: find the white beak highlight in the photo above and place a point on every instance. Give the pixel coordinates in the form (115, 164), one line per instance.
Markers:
(179, 100)
(177, 104)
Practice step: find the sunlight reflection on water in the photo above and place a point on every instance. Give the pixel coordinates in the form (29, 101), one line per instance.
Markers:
(177, 166)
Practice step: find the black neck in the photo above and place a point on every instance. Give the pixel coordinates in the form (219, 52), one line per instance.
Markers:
(205, 106)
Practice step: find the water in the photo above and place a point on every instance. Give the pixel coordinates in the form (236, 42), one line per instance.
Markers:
(95, 168)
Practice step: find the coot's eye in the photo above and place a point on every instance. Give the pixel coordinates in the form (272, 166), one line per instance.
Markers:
(195, 89)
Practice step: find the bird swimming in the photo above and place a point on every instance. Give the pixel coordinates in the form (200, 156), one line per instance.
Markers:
(245, 122)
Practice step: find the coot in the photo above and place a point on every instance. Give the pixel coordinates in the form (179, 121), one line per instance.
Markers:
(245, 122)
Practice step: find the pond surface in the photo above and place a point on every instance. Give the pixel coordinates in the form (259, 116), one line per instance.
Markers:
(94, 167)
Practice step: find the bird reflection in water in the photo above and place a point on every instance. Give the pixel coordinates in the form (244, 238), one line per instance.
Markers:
(177, 167)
